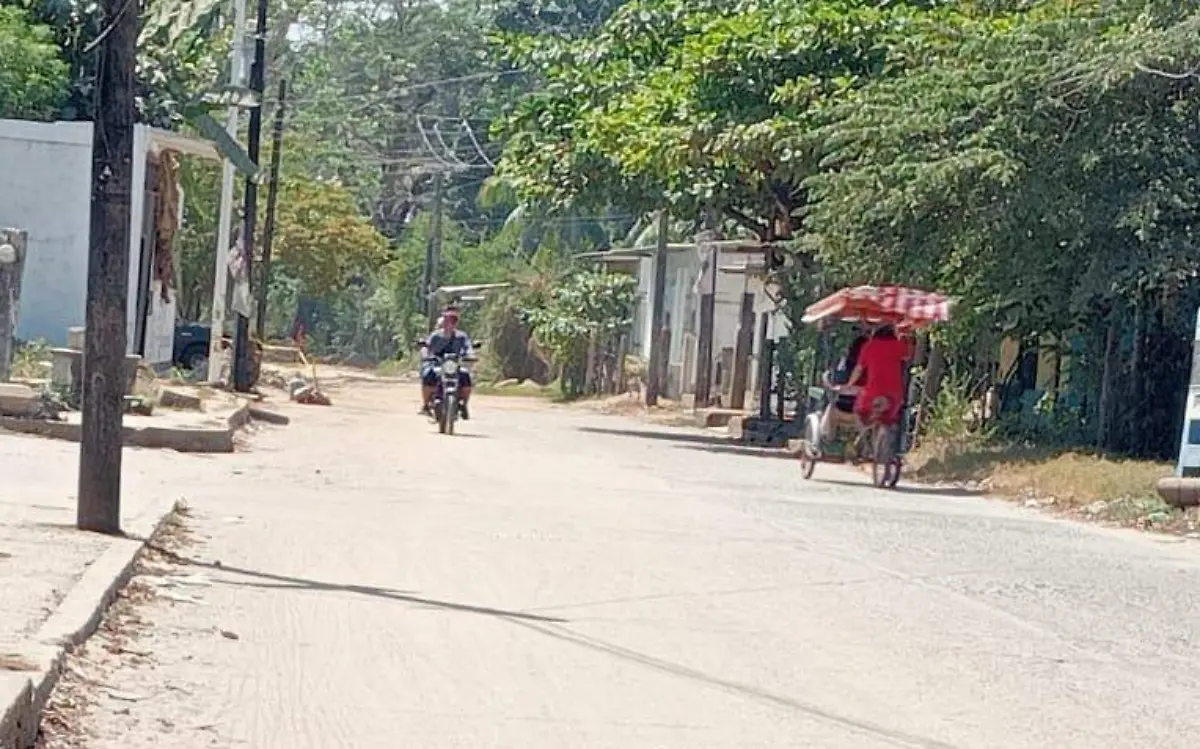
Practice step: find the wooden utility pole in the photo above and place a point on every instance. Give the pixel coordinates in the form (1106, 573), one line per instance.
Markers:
(13, 243)
(272, 198)
(99, 503)
(243, 376)
(742, 353)
(433, 254)
(656, 367)
(766, 366)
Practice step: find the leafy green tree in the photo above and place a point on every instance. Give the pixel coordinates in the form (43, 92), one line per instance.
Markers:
(705, 105)
(321, 238)
(1040, 166)
(586, 308)
(33, 79)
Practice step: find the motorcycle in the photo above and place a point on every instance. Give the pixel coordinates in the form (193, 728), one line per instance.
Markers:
(447, 405)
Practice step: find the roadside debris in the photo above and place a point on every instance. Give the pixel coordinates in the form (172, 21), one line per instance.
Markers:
(307, 390)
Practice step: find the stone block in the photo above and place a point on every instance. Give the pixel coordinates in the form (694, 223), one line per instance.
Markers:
(169, 398)
(18, 400)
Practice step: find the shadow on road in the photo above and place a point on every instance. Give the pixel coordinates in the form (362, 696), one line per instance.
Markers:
(732, 448)
(859, 726)
(269, 580)
(931, 491)
(681, 436)
(707, 442)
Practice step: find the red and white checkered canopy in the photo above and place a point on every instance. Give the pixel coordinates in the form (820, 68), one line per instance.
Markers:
(897, 305)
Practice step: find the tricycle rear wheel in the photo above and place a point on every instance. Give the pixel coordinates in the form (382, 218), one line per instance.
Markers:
(885, 467)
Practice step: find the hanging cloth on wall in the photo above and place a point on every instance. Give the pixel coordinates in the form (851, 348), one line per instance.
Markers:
(167, 221)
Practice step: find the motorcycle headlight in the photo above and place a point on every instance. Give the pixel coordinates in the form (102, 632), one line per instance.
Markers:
(450, 367)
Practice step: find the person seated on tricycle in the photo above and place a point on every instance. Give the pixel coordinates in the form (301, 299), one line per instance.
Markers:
(841, 406)
(882, 360)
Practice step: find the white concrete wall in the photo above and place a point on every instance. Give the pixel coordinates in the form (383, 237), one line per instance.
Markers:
(45, 188)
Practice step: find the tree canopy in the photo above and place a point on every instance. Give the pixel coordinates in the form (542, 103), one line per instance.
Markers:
(33, 80)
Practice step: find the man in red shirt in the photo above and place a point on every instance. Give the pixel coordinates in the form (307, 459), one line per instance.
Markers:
(882, 360)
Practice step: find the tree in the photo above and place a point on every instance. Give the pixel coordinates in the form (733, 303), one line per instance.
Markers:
(33, 79)
(707, 105)
(322, 239)
(1042, 168)
(585, 309)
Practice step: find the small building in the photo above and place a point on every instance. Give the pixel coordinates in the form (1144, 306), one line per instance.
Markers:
(45, 189)
(740, 288)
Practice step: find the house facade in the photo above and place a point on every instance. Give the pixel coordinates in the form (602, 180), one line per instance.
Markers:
(45, 189)
(739, 280)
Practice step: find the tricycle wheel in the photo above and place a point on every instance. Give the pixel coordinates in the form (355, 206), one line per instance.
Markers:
(884, 466)
(894, 473)
(808, 462)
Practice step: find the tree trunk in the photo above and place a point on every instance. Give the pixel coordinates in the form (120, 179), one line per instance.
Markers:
(934, 371)
(1106, 406)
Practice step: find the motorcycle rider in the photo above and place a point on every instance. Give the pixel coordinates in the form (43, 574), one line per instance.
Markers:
(446, 339)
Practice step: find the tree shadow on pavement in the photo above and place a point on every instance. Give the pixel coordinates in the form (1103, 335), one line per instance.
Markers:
(856, 725)
(284, 582)
(680, 436)
(732, 448)
(931, 491)
(707, 442)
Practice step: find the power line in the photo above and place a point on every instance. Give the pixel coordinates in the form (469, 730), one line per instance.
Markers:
(456, 164)
(399, 91)
(433, 152)
(475, 142)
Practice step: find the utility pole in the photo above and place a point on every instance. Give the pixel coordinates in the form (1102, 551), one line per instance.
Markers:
(242, 375)
(706, 243)
(237, 77)
(99, 503)
(272, 197)
(433, 254)
(655, 367)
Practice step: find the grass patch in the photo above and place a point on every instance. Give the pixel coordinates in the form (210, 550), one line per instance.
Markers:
(395, 367)
(1116, 490)
(31, 360)
(527, 389)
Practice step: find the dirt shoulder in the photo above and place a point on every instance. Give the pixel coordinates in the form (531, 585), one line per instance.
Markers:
(1112, 491)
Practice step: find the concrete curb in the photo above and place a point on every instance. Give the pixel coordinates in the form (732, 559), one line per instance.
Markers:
(24, 694)
(202, 440)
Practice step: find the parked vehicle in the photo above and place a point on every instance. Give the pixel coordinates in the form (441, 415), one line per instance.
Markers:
(192, 341)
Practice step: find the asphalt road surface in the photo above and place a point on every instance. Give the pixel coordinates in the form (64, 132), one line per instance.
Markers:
(551, 578)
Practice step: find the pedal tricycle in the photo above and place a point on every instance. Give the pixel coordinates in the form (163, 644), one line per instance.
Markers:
(833, 432)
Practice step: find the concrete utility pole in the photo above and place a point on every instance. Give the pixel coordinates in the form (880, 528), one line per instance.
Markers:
(272, 198)
(13, 243)
(242, 374)
(433, 253)
(237, 77)
(99, 504)
(655, 368)
(706, 243)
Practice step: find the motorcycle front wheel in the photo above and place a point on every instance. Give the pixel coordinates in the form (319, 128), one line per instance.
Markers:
(449, 412)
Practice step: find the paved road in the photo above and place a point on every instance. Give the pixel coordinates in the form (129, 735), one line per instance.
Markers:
(554, 579)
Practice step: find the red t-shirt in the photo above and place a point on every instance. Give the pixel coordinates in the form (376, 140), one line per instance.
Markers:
(884, 358)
